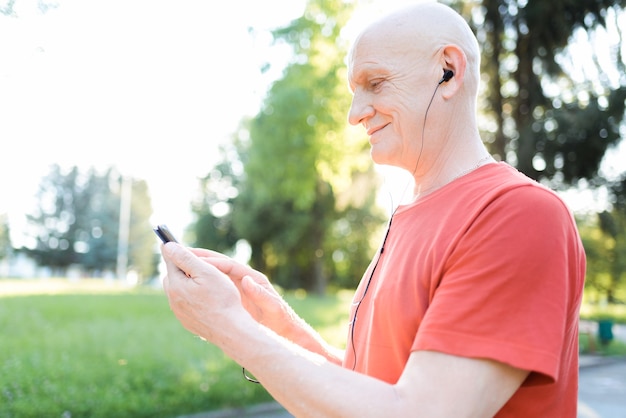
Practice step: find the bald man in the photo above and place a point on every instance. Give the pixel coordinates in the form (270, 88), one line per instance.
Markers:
(470, 306)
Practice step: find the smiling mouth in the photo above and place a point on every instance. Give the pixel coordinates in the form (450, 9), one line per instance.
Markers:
(372, 131)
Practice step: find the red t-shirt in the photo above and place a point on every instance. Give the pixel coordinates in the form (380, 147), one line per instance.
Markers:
(489, 266)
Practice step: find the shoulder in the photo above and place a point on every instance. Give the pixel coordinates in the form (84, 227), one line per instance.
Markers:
(503, 207)
(505, 187)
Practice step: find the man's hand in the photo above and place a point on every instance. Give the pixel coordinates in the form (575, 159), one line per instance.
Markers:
(267, 307)
(258, 295)
(203, 298)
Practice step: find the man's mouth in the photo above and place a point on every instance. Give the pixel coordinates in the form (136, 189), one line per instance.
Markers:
(371, 131)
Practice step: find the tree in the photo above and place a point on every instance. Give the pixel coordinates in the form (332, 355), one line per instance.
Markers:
(550, 112)
(7, 10)
(77, 222)
(294, 203)
(550, 123)
(604, 238)
(98, 218)
(103, 222)
(141, 255)
(53, 224)
(612, 225)
(5, 237)
(9, 7)
(213, 208)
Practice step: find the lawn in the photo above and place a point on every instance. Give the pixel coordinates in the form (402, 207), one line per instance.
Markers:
(88, 350)
(98, 349)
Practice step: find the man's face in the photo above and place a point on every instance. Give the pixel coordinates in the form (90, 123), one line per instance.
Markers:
(389, 99)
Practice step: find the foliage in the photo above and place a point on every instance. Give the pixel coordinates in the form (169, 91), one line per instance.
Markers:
(602, 311)
(54, 220)
(213, 227)
(76, 222)
(590, 344)
(545, 111)
(8, 8)
(604, 238)
(294, 205)
(290, 202)
(552, 113)
(543, 115)
(141, 255)
(123, 354)
(5, 237)
(590, 341)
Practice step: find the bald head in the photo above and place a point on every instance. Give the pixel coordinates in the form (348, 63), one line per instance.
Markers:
(420, 31)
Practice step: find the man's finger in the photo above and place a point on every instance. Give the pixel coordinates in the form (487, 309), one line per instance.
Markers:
(166, 284)
(185, 260)
(180, 257)
(203, 252)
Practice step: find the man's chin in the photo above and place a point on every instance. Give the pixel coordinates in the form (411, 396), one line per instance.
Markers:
(380, 158)
(384, 159)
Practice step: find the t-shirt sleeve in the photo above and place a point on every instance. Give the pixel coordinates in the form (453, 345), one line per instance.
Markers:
(504, 291)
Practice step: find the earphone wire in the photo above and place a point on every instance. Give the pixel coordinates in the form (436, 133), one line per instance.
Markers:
(382, 246)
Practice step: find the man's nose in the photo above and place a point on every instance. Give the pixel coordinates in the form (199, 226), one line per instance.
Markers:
(360, 109)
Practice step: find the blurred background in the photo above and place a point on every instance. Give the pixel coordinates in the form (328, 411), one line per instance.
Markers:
(230, 126)
(228, 122)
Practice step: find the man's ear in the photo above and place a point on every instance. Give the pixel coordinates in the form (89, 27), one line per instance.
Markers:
(453, 59)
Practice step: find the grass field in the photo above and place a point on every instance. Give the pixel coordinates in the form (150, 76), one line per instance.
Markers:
(99, 349)
(91, 349)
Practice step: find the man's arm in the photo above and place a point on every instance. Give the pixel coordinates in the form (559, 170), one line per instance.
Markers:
(308, 384)
(267, 307)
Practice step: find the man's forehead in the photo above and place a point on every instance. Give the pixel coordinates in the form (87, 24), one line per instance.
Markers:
(364, 56)
(371, 51)
(391, 35)
(414, 24)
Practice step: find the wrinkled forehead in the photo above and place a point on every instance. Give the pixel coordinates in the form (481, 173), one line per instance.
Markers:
(386, 45)
(367, 54)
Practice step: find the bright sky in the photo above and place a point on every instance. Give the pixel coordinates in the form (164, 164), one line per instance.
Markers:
(149, 86)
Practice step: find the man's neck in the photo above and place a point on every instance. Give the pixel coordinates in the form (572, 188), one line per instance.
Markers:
(448, 171)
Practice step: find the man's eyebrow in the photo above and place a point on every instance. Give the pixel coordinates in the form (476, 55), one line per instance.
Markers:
(362, 72)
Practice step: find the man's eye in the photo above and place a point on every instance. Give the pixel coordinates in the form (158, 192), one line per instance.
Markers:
(375, 83)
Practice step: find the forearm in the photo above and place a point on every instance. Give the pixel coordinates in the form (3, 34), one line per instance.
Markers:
(309, 383)
(306, 383)
(433, 384)
(302, 334)
(267, 307)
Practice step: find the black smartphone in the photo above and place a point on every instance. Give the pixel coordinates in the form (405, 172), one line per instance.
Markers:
(164, 233)
(166, 236)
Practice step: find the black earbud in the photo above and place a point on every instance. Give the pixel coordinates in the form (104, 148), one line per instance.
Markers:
(447, 75)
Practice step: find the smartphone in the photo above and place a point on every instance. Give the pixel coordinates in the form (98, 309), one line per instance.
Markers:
(164, 234)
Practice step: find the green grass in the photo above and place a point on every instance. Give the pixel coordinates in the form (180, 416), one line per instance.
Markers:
(590, 342)
(123, 354)
(97, 349)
